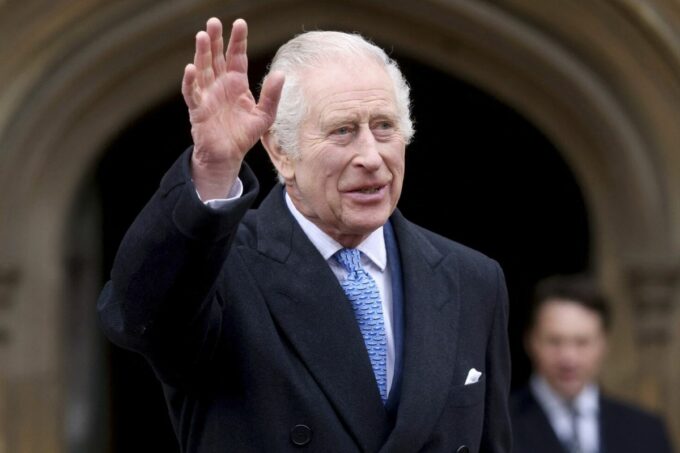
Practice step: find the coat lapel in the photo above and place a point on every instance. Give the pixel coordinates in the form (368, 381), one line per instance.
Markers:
(532, 425)
(610, 438)
(431, 312)
(312, 311)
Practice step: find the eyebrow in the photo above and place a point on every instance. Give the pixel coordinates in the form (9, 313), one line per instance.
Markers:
(337, 120)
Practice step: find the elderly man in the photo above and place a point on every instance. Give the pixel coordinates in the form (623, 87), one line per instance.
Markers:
(323, 320)
(563, 409)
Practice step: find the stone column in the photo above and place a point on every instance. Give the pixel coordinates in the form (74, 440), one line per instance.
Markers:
(655, 291)
(9, 279)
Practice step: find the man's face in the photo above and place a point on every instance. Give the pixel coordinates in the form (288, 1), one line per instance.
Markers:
(567, 346)
(349, 173)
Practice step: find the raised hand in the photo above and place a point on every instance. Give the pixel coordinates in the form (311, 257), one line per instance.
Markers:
(226, 121)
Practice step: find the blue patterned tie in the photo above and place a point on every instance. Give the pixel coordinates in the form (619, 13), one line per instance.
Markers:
(362, 291)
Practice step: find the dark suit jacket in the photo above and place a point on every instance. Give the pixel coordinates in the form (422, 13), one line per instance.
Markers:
(258, 349)
(623, 428)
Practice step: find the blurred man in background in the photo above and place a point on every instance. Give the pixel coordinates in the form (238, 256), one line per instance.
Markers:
(563, 408)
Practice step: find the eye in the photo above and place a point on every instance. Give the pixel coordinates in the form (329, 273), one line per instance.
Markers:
(383, 126)
(344, 130)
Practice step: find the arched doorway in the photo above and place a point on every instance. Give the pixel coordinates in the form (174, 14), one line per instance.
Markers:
(574, 71)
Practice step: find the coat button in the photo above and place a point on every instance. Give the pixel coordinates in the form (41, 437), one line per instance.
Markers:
(301, 435)
(463, 449)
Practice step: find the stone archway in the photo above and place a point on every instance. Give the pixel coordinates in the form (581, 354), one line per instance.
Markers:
(74, 78)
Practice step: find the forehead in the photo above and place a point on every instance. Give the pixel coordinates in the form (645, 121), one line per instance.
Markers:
(562, 316)
(347, 80)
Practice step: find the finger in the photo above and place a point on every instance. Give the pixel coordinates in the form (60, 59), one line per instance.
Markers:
(203, 60)
(214, 28)
(236, 57)
(271, 94)
(189, 91)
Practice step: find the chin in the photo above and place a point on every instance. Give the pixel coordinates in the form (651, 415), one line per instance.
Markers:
(368, 227)
(370, 219)
(570, 391)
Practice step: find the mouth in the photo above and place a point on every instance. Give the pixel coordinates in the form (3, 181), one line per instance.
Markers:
(369, 190)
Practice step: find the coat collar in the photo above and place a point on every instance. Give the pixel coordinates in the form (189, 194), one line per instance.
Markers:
(320, 324)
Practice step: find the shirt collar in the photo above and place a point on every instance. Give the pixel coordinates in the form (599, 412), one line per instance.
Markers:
(586, 402)
(373, 246)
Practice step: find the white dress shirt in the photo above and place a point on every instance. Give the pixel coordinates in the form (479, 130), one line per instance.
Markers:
(373, 259)
(558, 412)
(235, 192)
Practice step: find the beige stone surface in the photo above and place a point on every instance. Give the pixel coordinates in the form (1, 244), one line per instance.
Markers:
(600, 78)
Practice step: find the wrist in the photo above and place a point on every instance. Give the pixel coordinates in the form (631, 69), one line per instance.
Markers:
(212, 179)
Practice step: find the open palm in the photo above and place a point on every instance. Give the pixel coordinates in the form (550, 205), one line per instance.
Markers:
(226, 121)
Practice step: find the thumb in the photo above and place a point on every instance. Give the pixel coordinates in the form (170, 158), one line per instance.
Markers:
(271, 94)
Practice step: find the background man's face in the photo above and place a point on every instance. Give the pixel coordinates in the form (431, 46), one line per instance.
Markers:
(349, 174)
(567, 345)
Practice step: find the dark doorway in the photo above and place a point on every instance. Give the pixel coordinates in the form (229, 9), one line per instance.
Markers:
(477, 172)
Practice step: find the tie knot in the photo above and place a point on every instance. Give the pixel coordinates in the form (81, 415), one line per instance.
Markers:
(571, 407)
(350, 259)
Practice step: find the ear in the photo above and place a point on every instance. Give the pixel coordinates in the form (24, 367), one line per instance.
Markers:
(282, 161)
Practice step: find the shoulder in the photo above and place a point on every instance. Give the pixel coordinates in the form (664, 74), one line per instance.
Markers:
(524, 407)
(471, 261)
(627, 412)
(271, 222)
(522, 399)
(626, 426)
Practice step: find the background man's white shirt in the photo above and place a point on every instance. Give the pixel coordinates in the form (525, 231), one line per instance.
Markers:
(559, 416)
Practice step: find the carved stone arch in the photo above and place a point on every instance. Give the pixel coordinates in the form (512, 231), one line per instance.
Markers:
(78, 77)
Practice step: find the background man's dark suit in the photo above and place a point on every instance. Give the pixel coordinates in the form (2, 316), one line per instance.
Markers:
(623, 428)
(257, 346)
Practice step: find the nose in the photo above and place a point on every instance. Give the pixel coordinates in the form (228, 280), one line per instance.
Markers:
(367, 153)
(569, 354)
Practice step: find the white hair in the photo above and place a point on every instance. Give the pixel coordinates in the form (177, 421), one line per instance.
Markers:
(312, 49)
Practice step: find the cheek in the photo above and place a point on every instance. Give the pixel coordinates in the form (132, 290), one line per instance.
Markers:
(553, 361)
(316, 173)
(594, 359)
(332, 162)
(396, 158)
(396, 168)
(544, 358)
(399, 175)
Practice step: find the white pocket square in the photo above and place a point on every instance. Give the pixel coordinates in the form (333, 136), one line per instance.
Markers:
(473, 376)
